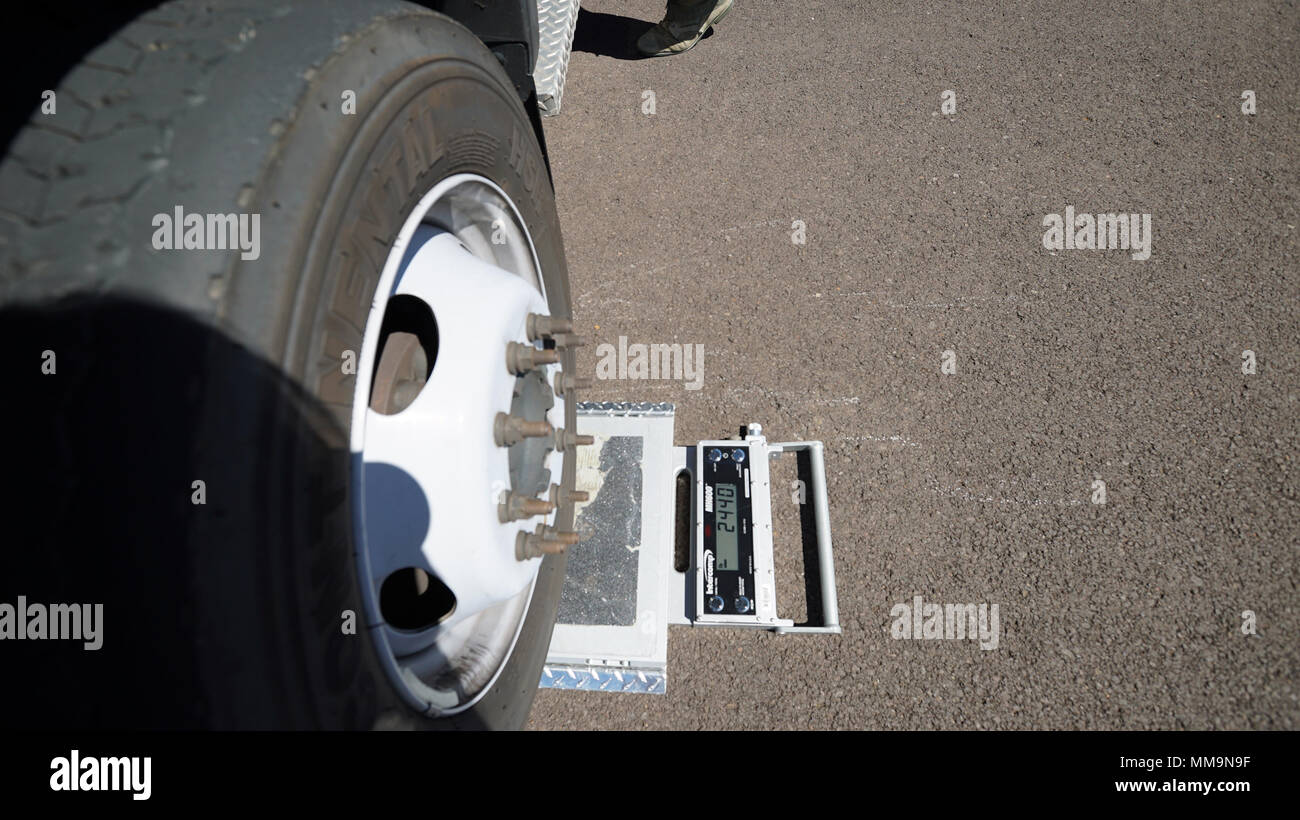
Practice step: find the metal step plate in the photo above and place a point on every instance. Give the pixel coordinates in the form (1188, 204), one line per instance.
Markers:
(612, 630)
(556, 22)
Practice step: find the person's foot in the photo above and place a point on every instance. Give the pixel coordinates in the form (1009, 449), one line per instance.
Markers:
(683, 25)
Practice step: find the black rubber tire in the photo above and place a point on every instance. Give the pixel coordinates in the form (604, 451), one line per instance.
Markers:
(174, 367)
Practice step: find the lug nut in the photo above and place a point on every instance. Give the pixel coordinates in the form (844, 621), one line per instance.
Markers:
(520, 358)
(565, 439)
(510, 430)
(543, 541)
(517, 506)
(539, 326)
(563, 382)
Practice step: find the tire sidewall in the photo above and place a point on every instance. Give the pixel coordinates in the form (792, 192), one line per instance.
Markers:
(332, 204)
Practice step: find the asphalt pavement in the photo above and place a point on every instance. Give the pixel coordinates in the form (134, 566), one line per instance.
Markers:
(1165, 387)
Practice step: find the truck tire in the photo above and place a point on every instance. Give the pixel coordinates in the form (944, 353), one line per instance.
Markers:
(184, 452)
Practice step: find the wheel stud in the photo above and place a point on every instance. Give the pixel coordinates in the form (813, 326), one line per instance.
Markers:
(563, 340)
(565, 439)
(539, 326)
(510, 430)
(543, 541)
(560, 496)
(563, 382)
(517, 507)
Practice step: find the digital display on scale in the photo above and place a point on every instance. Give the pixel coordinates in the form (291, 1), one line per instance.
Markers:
(726, 556)
(728, 550)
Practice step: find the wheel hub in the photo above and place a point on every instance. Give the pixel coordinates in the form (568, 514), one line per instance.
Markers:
(457, 444)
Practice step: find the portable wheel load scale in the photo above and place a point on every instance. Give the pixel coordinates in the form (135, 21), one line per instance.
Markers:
(673, 536)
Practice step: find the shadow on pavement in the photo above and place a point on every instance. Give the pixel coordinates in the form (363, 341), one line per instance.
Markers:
(609, 35)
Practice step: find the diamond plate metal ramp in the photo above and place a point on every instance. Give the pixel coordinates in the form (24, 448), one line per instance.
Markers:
(556, 21)
(588, 678)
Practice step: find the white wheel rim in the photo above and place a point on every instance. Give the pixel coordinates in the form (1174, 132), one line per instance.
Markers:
(428, 479)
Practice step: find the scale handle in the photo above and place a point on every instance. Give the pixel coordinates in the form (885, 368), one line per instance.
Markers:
(822, 517)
